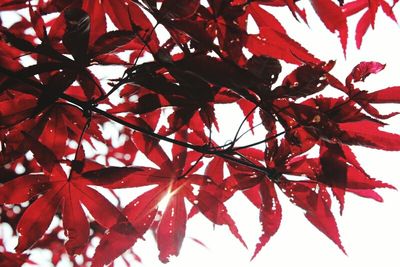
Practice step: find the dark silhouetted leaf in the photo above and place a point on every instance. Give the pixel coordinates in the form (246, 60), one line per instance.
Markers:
(110, 41)
(76, 36)
(179, 9)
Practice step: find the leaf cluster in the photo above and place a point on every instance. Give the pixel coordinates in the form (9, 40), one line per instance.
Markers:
(180, 61)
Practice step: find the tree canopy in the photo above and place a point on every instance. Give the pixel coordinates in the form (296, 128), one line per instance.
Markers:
(101, 95)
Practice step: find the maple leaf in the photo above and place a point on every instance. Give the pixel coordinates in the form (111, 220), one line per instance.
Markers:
(303, 81)
(55, 188)
(363, 70)
(14, 260)
(316, 204)
(291, 52)
(338, 168)
(368, 18)
(265, 198)
(174, 180)
(333, 18)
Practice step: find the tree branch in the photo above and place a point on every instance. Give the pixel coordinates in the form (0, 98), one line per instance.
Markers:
(227, 154)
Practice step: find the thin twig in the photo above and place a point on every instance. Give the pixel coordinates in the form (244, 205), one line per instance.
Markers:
(191, 168)
(248, 130)
(241, 124)
(122, 81)
(85, 127)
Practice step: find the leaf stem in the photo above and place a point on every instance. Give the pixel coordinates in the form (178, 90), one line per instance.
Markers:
(75, 162)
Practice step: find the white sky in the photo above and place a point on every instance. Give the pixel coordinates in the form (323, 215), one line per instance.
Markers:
(369, 230)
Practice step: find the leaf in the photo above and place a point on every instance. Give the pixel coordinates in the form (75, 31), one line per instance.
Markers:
(12, 4)
(76, 36)
(334, 168)
(110, 41)
(178, 120)
(99, 207)
(275, 44)
(367, 193)
(23, 188)
(303, 81)
(37, 218)
(270, 214)
(337, 163)
(354, 7)
(55, 135)
(128, 16)
(55, 190)
(195, 31)
(333, 18)
(142, 210)
(218, 72)
(172, 227)
(214, 209)
(362, 27)
(367, 133)
(118, 177)
(265, 68)
(388, 10)
(56, 85)
(17, 42)
(387, 95)
(151, 149)
(215, 170)
(207, 115)
(121, 237)
(90, 85)
(295, 10)
(263, 18)
(179, 9)
(140, 214)
(180, 156)
(44, 156)
(13, 111)
(363, 70)
(14, 260)
(97, 17)
(37, 23)
(118, 13)
(341, 171)
(373, 8)
(317, 205)
(76, 226)
(145, 103)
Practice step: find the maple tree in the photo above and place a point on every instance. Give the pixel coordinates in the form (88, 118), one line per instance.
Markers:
(56, 107)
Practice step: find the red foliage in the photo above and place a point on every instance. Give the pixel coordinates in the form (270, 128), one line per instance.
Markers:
(55, 109)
